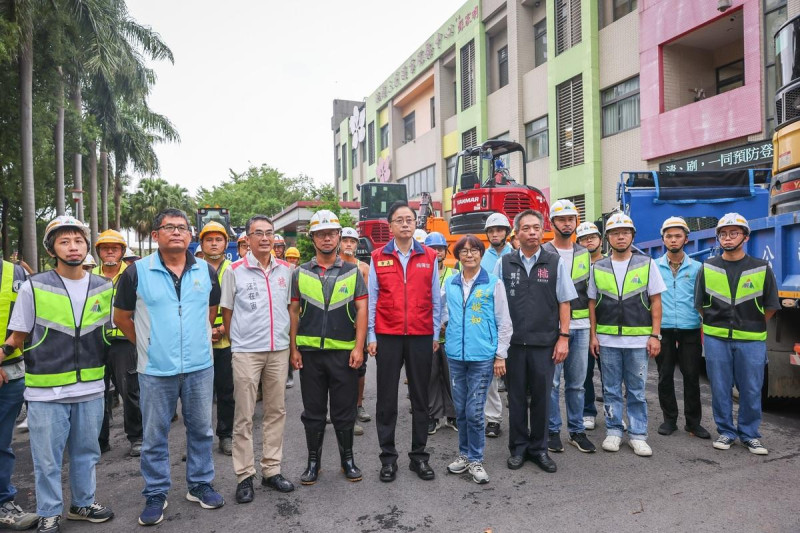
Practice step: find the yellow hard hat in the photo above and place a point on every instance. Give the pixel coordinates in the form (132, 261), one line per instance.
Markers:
(212, 227)
(111, 236)
(292, 252)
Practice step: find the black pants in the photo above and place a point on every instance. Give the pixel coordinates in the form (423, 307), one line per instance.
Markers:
(528, 367)
(681, 346)
(327, 373)
(223, 389)
(416, 352)
(121, 369)
(440, 395)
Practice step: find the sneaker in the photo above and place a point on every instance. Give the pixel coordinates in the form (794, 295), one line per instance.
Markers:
(640, 448)
(13, 517)
(554, 442)
(136, 449)
(433, 426)
(501, 385)
(580, 441)
(290, 382)
(206, 496)
(23, 426)
(611, 444)
(153, 512)
(755, 446)
(588, 422)
(362, 414)
(23, 413)
(459, 466)
(723, 443)
(493, 430)
(451, 423)
(479, 475)
(226, 445)
(49, 524)
(91, 513)
(358, 430)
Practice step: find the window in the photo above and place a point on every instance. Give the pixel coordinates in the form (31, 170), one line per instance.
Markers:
(338, 169)
(409, 128)
(536, 138)
(344, 196)
(433, 112)
(774, 17)
(469, 139)
(467, 75)
(730, 76)
(502, 67)
(344, 161)
(384, 137)
(580, 203)
(420, 181)
(371, 142)
(623, 7)
(569, 109)
(620, 107)
(540, 42)
(568, 24)
(354, 153)
(450, 165)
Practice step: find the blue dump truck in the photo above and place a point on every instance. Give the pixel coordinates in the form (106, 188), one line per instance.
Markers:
(702, 198)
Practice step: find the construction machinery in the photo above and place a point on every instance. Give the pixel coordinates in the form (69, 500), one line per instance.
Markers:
(218, 214)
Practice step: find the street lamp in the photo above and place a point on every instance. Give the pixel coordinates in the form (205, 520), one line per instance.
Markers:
(77, 197)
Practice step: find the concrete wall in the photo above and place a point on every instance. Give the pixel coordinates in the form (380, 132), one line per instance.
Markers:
(420, 105)
(496, 42)
(620, 152)
(499, 114)
(619, 50)
(416, 155)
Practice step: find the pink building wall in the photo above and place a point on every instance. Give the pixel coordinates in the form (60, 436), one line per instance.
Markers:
(718, 118)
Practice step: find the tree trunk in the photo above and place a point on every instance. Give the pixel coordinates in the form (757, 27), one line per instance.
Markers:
(104, 187)
(29, 248)
(4, 233)
(117, 195)
(77, 159)
(93, 190)
(58, 139)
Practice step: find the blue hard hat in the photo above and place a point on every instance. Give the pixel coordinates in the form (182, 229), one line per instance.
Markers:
(435, 239)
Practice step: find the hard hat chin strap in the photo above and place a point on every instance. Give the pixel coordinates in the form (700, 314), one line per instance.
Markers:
(621, 250)
(110, 263)
(214, 257)
(78, 262)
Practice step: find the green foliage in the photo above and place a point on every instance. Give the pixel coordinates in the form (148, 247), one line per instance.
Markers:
(152, 196)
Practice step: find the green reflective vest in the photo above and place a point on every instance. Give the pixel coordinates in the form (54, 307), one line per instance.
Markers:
(7, 299)
(581, 264)
(112, 332)
(225, 264)
(327, 325)
(63, 349)
(625, 312)
(738, 315)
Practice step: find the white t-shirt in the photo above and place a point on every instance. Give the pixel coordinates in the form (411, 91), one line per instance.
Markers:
(655, 285)
(23, 319)
(567, 255)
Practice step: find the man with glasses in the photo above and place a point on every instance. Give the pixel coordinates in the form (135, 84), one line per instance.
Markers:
(255, 313)
(736, 294)
(175, 298)
(404, 313)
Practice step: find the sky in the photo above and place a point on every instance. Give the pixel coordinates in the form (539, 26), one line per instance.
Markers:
(254, 81)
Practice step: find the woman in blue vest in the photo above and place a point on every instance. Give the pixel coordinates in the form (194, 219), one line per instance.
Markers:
(476, 345)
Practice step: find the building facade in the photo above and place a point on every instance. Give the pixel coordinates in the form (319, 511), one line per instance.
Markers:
(591, 88)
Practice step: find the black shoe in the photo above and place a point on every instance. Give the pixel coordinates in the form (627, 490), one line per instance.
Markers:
(580, 441)
(244, 491)
(95, 513)
(492, 430)
(433, 426)
(345, 439)
(314, 443)
(698, 431)
(543, 461)
(388, 472)
(278, 482)
(515, 462)
(136, 449)
(554, 442)
(423, 470)
(667, 428)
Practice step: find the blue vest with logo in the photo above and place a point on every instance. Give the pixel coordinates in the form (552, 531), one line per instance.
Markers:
(471, 327)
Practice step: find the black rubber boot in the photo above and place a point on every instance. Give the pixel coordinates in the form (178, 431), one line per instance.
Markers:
(314, 443)
(345, 439)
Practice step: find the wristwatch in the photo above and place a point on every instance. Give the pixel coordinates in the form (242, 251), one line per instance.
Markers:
(8, 349)
(562, 334)
(658, 337)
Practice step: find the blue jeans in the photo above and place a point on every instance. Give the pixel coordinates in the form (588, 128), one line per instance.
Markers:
(10, 404)
(739, 363)
(628, 365)
(159, 399)
(54, 426)
(469, 381)
(574, 367)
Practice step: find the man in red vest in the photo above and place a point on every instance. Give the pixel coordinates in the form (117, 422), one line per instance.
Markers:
(404, 312)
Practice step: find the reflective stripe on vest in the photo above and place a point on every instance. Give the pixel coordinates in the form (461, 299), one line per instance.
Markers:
(225, 264)
(62, 349)
(625, 312)
(327, 325)
(749, 287)
(112, 332)
(581, 261)
(7, 298)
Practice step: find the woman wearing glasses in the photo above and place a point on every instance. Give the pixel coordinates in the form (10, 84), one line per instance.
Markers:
(477, 337)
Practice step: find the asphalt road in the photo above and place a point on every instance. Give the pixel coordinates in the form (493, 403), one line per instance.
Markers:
(685, 486)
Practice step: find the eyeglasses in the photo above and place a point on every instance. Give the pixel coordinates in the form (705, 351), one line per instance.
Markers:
(403, 221)
(464, 252)
(727, 234)
(170, 228)
(261, 234)
(325, 234)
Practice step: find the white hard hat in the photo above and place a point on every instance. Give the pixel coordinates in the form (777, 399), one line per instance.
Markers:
(563, 208)
(420, 235)
(675, 222)
(65, 221)
(586, 228)
(89, 261)
(497, 220)
(619, 220)
(278, 239)
(129, 254)
(322, 220)
(734, 219)
(349, 233)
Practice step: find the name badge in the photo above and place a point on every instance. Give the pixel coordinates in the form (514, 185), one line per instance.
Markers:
(387, 263)
(423, 265)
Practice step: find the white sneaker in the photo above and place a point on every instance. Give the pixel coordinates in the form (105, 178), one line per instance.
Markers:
(459, 466)
(479, 475)
(23, 426)
(588, 422)
(611, 444)
(640, 448)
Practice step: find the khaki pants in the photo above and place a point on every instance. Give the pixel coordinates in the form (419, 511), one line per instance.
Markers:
(271, 369)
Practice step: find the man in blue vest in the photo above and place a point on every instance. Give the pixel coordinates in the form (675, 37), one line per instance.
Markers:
(175, 297)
